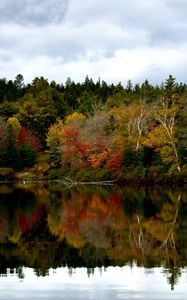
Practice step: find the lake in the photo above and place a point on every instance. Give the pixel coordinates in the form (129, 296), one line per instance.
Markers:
(92, 242)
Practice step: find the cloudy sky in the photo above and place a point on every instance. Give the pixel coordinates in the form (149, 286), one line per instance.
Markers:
(115, 40)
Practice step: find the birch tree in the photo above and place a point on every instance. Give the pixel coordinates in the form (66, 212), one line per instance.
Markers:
(131, 121)
(163, 136)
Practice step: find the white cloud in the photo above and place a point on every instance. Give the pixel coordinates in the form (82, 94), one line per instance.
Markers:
(138, 64)
(108, 39)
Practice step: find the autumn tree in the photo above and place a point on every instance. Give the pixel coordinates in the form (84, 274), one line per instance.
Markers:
(74, 149)
(14, 124)
(105, 146)
(54, 142)
(75, 119)
(131, 122)
(18, 147)
(163, 135)
(2, 138)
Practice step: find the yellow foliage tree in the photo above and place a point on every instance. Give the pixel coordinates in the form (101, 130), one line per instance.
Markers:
(54, 142)
(75, 119)
(130, 121)
(54, 134)
(163, 136)
(15, 126)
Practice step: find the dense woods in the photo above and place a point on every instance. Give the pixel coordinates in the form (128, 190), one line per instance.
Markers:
(135, 133)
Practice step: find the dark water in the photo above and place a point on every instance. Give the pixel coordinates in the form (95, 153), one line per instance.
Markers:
(92, 242)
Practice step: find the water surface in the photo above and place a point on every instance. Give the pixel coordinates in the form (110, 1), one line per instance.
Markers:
(92, 242)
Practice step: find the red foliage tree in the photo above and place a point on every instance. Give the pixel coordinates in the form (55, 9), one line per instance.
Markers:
(74, 147)
(22, 136)
(27, 137)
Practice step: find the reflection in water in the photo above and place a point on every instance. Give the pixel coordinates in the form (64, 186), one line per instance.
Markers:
(114, 283)
(45, 227)
(111, 284)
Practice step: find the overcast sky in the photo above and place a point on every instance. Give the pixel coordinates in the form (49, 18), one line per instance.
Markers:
(115, 40)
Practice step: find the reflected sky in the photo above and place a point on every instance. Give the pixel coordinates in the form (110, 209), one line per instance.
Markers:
(110, 283)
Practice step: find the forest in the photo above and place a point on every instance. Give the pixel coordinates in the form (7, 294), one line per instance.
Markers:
(93, 131)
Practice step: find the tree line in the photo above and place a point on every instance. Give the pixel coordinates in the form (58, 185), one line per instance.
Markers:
(94, 129)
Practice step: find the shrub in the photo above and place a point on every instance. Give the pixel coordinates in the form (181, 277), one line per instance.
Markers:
(6, 174)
